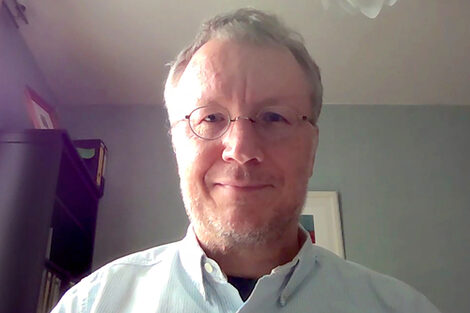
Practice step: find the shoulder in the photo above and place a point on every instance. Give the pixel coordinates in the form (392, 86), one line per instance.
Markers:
(353, 272)
(138, 261)
(148, 257)
(370, 287)
(117, 276)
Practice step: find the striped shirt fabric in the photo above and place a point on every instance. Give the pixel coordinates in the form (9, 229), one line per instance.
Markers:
(180, 278)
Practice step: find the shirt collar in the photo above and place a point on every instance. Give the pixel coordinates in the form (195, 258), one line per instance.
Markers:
(191, 256)
(193, 260)
(300, 266)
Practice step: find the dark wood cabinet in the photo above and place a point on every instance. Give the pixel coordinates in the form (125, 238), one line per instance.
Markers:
(48, 208)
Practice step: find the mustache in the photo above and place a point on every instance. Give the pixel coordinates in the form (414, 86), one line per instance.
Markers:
(237, 173)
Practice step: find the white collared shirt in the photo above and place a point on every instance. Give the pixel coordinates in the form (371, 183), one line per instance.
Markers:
(179, 277)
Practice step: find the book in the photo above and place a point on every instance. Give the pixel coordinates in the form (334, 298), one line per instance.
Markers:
(93, 153)
(47, 291)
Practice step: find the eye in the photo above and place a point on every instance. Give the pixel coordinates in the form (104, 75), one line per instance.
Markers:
(206, 118)
(214, 117)
(272, 117)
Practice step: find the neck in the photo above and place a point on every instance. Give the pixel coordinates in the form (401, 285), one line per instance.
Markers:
(254, 261)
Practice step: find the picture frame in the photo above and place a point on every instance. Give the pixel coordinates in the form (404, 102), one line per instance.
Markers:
(321, 218)
(40, 112)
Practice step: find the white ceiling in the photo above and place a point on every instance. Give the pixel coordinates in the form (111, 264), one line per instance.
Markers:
(115, 51)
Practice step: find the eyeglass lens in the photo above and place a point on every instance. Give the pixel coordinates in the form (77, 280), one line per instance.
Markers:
(272, 122)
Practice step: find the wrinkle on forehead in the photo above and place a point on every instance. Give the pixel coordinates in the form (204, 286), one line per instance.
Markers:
(241, 73)
(218, 71)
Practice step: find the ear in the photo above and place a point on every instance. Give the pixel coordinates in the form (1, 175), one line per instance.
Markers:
(316, 138)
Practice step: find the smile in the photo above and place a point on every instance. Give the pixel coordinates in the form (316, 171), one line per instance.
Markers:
(243, 187)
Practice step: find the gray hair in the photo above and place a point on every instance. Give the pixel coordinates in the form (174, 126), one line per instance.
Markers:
(254, 26)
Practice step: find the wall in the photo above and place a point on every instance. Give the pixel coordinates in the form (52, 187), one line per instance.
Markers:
(402, 173)
(17, 69)
(141, 206)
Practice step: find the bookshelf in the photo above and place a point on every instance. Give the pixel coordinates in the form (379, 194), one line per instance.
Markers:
(48, 207)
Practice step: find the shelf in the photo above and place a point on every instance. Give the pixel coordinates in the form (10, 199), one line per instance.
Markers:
(72, 217)
(57, 269)
(44, 184)
(47, 136)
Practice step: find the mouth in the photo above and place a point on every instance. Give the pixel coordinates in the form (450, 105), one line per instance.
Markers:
(242, 187)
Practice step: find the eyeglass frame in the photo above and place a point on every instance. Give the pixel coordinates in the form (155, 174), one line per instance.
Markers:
(231, 120)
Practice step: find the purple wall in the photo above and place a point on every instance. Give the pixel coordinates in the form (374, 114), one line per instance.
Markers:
(17, 69)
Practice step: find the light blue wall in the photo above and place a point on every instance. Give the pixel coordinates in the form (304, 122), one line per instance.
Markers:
(403, 174)
(17, 69)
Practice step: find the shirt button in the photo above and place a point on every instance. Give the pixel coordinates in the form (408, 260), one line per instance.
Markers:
(208, 268)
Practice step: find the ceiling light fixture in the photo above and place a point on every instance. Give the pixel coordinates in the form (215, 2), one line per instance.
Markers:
(370, 8)
(15, 10)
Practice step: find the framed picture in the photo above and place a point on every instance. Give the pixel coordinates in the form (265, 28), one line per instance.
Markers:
(321, 218)
(41, 114)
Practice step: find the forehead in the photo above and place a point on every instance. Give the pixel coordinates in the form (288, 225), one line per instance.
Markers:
(242, 74)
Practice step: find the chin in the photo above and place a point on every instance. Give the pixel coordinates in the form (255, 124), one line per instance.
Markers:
(222, 223)
(226, 234)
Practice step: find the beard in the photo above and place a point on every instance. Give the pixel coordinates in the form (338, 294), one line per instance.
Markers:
(224, 236)
(217, 231)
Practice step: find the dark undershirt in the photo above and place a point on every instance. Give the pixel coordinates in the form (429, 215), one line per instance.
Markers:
(244, 285)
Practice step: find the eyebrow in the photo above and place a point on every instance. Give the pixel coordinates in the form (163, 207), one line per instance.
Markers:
(206, 101)
(268, 101)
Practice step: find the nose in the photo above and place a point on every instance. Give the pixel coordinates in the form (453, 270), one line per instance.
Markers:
(241, 142)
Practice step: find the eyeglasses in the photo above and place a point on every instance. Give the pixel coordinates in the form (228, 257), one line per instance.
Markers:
(272, 122)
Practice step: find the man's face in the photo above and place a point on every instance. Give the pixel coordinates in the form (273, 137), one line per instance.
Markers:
(241, 187)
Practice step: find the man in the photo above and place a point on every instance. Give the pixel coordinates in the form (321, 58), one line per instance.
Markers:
(243, 101)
